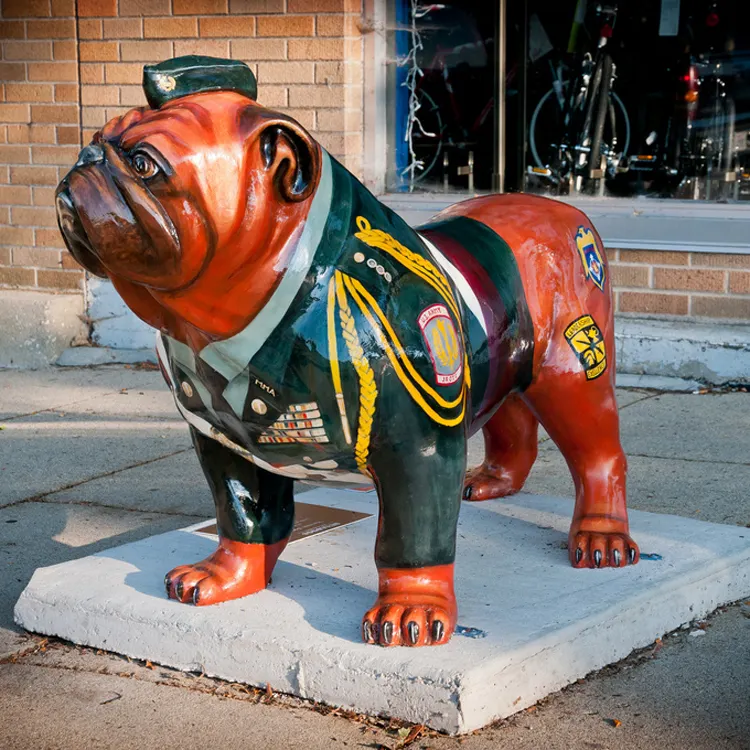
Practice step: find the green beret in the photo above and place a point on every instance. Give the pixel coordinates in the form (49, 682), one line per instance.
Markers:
(193, 74)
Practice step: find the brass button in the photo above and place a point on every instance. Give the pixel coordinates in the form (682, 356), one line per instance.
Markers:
(187, 389)
(359, 257)
(258, 406)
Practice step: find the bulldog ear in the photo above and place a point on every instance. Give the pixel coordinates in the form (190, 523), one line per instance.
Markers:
(289, 151)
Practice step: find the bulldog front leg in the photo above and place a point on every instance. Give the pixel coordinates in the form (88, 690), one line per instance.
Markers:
(254, 517)
(420, 496)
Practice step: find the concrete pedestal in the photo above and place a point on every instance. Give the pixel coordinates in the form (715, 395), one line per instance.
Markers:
(530, 623)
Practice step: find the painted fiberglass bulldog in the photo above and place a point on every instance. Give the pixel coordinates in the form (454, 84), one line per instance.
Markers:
(307, 332)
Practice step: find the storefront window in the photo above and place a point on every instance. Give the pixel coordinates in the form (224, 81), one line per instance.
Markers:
(639, 98)
(442, 112)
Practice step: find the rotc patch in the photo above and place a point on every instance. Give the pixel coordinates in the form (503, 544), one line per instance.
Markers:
(592, 260)
(442, 343)
(586, 341)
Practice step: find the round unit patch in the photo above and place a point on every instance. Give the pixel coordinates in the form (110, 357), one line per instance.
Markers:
(441, 338)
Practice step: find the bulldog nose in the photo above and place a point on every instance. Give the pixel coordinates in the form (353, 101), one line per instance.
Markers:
(92, 154)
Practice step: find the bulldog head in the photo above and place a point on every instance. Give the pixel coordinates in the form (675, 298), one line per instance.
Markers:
(201, 188)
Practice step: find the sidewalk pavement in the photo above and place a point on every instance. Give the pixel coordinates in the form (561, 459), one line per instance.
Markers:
(93, 458)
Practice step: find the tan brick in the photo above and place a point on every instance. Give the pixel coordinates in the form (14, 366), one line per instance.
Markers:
(324, 6)
(33, 176)
(88, 8)
(89, 28)
(169, 28)
(14, 112)
(14, 154)
(60, 114)
(123, 28)
(316, 49)
(132, 96)
(273, 96)
(60, 28)
(64, 50)
(66, 92)
(17, 276)
(653, 304)
(68, 262)
(68, 135)
(256, 6)
(721, 307)
(98, 51)
(720, 260)
(26, 8)
(199, 7)
(27, 50)
(64, 155)
(689, 279)
(286, 26)
(332, 142)
(48, 238)
(43, 196)
(285, 72)
(338, 72)
(36, 216)
(12, 72)
(123, 73)
(210, 47)
(228, 26)
(259, 49)
(28, 92)
(4, 256)
(15, 195)
(316, 96)
(12, 30)
(97, 96)
(654, 257)
(331, 120)
(629, 276)
(10, 235)
(63, 8)
(739, 282)
(111, 112)
(59, 279)
(31, 134)
(92, 73)
(87, 134)
(305, 117)
(53, 71)
(94, 117)
(144, 7)
(36, 256)
(144, 51)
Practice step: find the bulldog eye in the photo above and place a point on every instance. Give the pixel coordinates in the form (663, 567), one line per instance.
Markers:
(144, 166)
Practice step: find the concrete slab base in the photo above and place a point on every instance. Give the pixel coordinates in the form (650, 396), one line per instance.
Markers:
(536, 623)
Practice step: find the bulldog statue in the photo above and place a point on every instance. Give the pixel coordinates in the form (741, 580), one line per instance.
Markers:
(307, 332)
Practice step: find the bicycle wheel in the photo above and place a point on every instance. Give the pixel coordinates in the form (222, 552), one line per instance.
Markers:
(542, 127)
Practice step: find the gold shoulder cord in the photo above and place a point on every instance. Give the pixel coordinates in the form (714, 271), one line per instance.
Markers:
(340, 288)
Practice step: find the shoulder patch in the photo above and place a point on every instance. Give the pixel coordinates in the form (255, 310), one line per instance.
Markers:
(442, 342)
(585, 339)
(591, 257)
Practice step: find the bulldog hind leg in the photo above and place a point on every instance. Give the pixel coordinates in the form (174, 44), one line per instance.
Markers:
(510, 448)
(254, 517)
(581, 417)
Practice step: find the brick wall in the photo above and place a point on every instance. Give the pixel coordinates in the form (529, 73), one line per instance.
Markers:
(63, 75)
(39, 139)
(67, 67)
(700, 285)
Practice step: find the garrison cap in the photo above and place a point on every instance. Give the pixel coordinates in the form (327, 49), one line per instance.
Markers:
(194, 74)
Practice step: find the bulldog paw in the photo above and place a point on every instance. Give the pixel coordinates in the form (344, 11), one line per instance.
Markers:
(486, 482)
(415, 607)
(235, 570)
(595, 549)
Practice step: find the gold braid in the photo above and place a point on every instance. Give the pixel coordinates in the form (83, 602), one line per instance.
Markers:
(368, 391)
